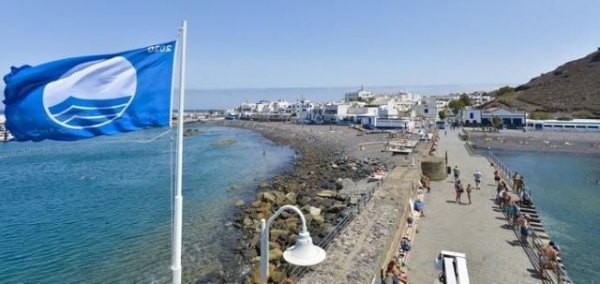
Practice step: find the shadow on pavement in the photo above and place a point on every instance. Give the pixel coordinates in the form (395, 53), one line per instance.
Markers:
(514, 243)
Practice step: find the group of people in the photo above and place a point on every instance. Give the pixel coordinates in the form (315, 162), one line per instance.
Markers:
(459, 188)
(394, 274)
(549, 253)
(503, 197)
(548, 256)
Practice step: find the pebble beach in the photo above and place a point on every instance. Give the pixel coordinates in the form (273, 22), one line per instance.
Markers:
(328, 181)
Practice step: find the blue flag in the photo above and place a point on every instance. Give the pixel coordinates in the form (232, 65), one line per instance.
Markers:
(83, 97)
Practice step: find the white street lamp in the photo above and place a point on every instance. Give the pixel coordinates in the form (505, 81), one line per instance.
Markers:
(303, 253)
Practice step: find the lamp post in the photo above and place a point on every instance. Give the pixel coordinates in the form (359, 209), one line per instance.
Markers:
(303, 253)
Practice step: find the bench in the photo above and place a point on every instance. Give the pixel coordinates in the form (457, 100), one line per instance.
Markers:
(454, 266)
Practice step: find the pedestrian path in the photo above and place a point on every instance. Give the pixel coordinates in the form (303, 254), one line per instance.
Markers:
(494, 255)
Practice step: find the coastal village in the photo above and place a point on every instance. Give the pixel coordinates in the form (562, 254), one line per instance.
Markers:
(368, 164)
(300, 142)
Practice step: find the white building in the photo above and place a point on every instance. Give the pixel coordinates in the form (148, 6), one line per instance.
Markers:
(360, 95)
(404, 124)
(589, 125)
(510, 118)
(334, 113)
(471, 116)
(427, 109)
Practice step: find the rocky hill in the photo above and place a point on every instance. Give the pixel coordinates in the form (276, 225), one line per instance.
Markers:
(571, 90)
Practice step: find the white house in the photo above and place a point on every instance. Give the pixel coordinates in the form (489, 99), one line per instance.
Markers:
(335, 112)
(471, 116)
(427, 108)
(510, 118)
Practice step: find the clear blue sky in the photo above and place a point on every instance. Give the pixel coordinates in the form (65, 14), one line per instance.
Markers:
(283, 43)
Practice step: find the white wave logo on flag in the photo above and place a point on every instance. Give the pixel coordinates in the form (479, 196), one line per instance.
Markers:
(91, 94)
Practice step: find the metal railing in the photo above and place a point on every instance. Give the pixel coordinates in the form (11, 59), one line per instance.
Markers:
(534, 244)
(505, 172)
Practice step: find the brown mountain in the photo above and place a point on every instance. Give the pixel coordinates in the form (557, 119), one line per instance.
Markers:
(571, 90)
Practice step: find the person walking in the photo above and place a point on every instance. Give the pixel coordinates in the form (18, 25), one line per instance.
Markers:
(515, 177)
(456, 172)
(477, 176)
(496, 177)
(458, 188)
(469, 193)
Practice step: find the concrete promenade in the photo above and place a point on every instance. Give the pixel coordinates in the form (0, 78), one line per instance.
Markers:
(494, 255)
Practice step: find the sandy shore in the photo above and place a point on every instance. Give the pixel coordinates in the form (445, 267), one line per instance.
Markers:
(537, 141)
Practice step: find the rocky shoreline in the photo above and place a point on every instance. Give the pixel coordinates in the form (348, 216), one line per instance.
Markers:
(327, 182)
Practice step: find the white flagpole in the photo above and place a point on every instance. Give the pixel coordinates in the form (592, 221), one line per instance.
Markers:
(178, 200)
(173, 80)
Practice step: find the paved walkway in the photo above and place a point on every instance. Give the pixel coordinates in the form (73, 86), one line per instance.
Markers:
(493, 253)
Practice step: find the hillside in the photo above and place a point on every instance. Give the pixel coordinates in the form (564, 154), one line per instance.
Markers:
(571, 90)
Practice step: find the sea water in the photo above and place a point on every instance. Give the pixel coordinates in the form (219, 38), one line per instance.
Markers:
(99, 210)
(566, 192)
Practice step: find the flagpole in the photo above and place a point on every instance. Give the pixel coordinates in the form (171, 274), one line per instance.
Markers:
(173, 80)
(178, 200)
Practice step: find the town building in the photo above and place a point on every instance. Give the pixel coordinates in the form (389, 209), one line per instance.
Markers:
(585, 125)
(511, 119)
(359, 95)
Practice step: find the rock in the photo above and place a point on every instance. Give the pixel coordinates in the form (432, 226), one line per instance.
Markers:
(292, 227)
(280, 201)
(275, 254)
(277, 276)
(293, 220)
(305, 200)
(255, 275)
(274, 245)
(326, 203)
(291, 197)
(249, 253)
(276, 234)
(268, 197)
(278, 194)
(240, 203)
(337, 207)
(248, 222)
(318, 219)
(314, 211)
(327, 193)
(326, 228)
(263, 185)
(330, 217)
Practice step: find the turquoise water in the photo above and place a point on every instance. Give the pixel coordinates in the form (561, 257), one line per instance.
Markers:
(567, 195)
(99, 210)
